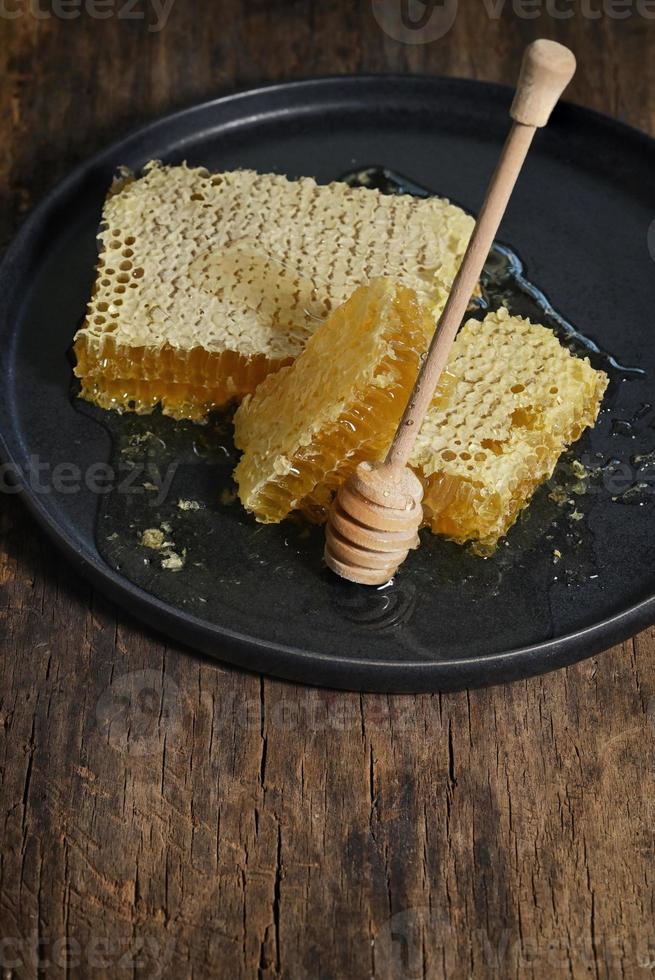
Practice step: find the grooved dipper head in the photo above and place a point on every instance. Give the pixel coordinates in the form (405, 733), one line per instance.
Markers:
(373, 523)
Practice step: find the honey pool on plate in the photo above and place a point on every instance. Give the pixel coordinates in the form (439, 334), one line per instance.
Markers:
(175, 478)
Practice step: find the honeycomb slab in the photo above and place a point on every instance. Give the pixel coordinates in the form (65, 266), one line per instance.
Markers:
(518, 400)
(306, 427)
(207, 282)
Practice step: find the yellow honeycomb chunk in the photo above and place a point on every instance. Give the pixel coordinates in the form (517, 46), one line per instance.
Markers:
(519, 399)
(187, 385)
(208, 282)
(306, 427)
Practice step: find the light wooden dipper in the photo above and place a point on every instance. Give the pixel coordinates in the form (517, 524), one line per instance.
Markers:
(374, 520)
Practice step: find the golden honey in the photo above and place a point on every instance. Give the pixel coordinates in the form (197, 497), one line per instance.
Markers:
(187, 384)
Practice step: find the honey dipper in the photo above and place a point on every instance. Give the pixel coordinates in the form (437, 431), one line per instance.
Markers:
(375, 517)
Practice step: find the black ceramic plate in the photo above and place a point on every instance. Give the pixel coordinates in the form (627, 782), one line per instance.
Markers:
(575, 576)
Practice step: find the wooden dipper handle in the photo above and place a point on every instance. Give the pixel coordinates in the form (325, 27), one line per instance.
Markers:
(375, 516)
(547, 69)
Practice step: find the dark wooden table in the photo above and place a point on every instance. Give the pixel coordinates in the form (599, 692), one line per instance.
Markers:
(237, 827)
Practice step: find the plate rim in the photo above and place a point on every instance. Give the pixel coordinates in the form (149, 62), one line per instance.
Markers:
(292, 663)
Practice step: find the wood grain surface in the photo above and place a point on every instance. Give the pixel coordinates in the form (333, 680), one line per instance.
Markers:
(163, 816)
